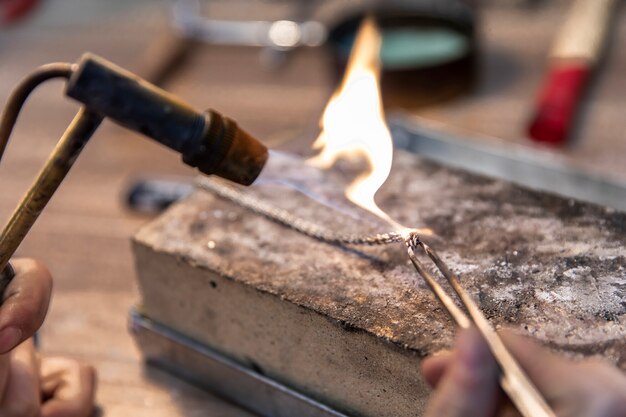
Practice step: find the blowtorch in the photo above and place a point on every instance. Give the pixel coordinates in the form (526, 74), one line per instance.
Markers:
(208, 141)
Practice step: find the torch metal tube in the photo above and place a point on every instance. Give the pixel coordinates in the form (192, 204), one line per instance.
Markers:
(52, 174)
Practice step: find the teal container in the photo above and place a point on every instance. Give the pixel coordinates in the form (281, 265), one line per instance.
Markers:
(428, 52)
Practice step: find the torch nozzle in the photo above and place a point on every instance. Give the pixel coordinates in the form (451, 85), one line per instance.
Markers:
(227, 151)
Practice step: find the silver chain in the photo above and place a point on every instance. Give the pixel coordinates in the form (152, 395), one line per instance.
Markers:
(303, 226)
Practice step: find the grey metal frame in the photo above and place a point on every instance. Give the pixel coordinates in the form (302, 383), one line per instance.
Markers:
(197, 363)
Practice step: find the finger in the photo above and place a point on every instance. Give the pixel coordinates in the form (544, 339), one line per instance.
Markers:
(604, 386)
(588, 387)
(435, 366)
(469, 387)
(70, 388)
(22, 396)
(24, 304)
(544, 368)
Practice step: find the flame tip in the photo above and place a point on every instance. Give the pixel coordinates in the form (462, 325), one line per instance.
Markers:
(353, 122)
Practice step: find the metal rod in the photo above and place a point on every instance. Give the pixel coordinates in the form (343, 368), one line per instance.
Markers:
(514, 381)
(52, 174)
(292, 221)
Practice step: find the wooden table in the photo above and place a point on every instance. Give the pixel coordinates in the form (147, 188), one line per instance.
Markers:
(84, 234)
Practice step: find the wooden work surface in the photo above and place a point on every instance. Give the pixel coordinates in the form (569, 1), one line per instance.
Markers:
(84, 234)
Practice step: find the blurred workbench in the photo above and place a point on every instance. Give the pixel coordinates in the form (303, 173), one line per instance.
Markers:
(84, 235)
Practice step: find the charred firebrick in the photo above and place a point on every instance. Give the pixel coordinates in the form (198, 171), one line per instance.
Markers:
(347, 327)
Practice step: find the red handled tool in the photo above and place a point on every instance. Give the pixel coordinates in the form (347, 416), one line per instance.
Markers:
(572, 60)
(13, 10)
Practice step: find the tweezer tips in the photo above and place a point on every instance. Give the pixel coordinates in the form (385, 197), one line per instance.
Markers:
(413, 240)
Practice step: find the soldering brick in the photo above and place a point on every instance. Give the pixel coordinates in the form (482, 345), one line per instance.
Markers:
(350, 326)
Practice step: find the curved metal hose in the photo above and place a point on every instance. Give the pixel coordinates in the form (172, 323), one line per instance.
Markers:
(20, 94)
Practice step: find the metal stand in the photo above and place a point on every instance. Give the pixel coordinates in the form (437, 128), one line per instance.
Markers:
(199, 364)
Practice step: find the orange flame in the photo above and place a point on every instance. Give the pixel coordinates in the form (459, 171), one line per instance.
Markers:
(354, 123)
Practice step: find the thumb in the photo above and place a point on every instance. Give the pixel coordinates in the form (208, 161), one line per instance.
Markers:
(24, 304)
(469, 387)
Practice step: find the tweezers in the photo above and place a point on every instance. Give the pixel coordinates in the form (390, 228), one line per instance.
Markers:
(513, 380)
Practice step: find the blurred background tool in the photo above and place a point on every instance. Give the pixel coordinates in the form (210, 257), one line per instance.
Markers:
(13, 10)
(281, 35)
(152, 195)
(575, 54)
(208, 141)
(190, 27)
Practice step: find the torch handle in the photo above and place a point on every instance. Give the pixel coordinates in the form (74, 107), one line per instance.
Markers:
(206, 140)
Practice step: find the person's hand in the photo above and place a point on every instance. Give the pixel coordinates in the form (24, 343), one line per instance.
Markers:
(466, 380)
(29, 387)
(68, 388)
